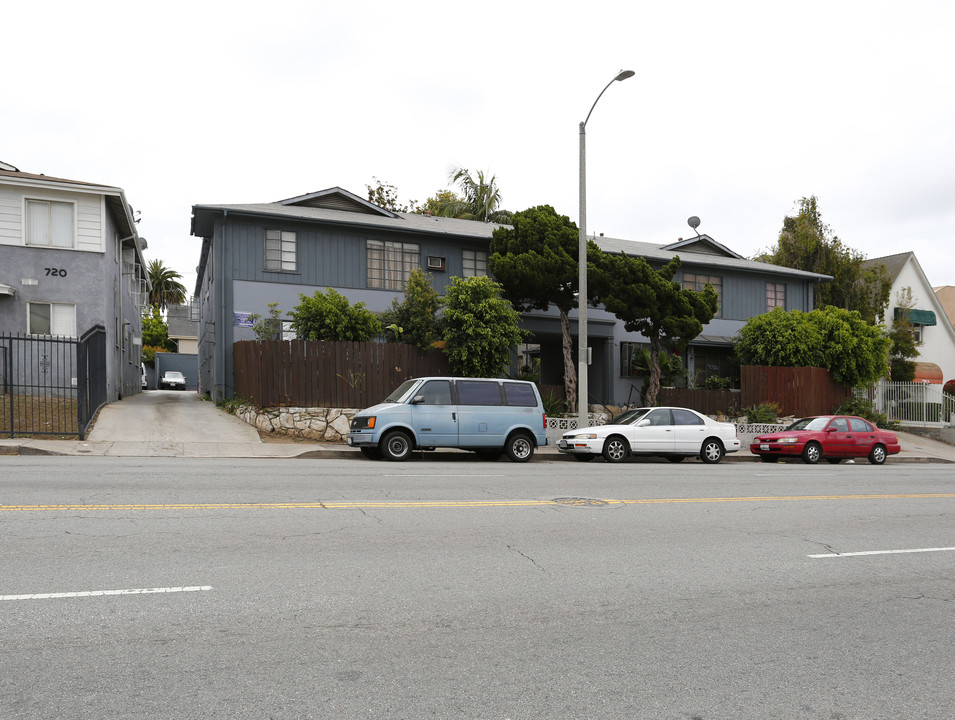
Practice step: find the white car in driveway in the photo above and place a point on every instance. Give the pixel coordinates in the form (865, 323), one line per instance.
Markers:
(673, 433)
(173, 379)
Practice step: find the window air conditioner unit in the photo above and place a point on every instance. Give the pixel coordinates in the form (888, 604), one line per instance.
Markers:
(435, 263)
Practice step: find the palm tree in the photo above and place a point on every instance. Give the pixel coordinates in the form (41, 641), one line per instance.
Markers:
(480, 201)
(166, 288)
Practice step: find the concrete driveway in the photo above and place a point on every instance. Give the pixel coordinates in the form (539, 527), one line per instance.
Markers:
(169, 416)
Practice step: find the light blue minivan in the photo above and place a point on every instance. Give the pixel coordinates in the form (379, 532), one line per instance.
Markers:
(487, 415)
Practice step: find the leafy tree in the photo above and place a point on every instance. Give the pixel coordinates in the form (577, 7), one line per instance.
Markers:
(649, 302)
(166, 288)
(269, 328)
(855, 352)
(535, 260)
(481, 327)
(415, 319)
(433, 205)
(329, 316)
(385, 195)
(904, 341)
(480, 199)
(807, 243)
(155, 335)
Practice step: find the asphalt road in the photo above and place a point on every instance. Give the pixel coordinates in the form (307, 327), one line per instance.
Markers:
(355, 589)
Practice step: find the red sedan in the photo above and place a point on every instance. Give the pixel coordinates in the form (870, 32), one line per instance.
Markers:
(833, 437)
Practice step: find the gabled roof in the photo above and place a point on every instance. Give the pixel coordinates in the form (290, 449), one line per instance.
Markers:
(339, 207)
(337, 199)
(893, 263)
(115, 199)
(691, 256)
(702, 244)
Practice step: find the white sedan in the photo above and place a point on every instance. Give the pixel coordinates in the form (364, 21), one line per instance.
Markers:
(673, 433)
(173, 380)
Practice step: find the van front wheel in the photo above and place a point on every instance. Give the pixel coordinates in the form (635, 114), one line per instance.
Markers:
(519, 448)
(396, 445)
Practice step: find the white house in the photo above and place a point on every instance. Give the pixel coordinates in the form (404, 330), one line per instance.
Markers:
(936, 362)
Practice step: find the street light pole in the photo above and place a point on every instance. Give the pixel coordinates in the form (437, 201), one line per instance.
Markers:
(583, 419)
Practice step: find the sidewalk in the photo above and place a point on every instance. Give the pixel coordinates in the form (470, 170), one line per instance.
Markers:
(915, 449)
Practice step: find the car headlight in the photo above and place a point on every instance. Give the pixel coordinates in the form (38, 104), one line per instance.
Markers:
(788, 441)
(585, 436)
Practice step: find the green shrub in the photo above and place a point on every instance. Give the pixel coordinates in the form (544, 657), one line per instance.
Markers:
(862, 407)
(767, 412)
(553, 404)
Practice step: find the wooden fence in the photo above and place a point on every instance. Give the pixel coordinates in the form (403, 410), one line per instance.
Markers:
(797, 391)
(708, 402)
(309, 373)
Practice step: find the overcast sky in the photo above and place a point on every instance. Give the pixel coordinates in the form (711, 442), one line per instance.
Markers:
(737, 110)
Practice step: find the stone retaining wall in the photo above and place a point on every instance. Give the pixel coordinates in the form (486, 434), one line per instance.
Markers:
(317, 424)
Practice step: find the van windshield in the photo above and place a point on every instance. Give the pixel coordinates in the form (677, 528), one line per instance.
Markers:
(401, 391)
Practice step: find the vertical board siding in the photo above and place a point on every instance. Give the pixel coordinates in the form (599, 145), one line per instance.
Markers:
(798, 391)
(306, 373)
(708, 402)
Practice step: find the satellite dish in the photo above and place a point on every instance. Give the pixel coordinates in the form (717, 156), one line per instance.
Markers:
(693, 222)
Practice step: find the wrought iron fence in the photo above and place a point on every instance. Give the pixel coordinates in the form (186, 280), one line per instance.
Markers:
(51, 385)
(913, 403)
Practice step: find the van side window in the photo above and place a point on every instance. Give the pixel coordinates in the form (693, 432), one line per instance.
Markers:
(520, 394)
(478, 392)
(436, 392)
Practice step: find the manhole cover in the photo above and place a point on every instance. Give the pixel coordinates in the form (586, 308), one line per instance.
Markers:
(579, 501)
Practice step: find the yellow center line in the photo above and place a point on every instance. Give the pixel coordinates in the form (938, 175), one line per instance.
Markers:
(457, 504)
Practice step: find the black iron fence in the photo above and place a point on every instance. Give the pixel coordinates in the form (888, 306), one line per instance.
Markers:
(51, 385)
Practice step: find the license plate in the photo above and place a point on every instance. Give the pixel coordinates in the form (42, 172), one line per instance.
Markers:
(764, 447)
(349, 441)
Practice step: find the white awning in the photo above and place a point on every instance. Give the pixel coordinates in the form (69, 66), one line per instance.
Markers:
(7, 290)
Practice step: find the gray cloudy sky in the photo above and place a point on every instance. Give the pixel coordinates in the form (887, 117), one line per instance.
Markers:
(737, 110)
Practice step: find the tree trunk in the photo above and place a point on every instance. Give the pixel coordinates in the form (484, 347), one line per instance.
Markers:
(570, 369)
(653, 389)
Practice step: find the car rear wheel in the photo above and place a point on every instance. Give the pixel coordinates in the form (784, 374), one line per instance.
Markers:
(396, 445)
(712, 451)
(877, 455)
(519, 448)
(812, 453)
(615, 449)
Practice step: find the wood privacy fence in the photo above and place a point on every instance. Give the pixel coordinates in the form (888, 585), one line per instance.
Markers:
(708, 402)
(318, 373)
(797, 391)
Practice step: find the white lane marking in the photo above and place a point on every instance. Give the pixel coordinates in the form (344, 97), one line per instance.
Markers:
(883, 552)
(99, 593)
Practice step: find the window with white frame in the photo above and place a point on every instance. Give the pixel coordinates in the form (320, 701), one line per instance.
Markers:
(473, 263)
(775, 296)
(390, 264)
(49, 223)
(280, 251)
(695, 281)
(51, 319)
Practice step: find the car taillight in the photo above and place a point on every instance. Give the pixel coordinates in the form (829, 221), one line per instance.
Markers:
(544, 415)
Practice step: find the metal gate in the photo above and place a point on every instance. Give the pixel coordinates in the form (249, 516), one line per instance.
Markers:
(51, 385)
(914, 403)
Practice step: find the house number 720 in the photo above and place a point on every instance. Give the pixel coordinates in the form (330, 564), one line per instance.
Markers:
(56, 272)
